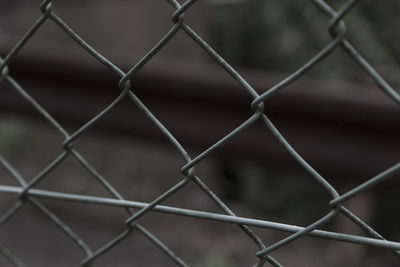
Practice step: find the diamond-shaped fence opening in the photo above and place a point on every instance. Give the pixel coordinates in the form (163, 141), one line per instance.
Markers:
(189, 170)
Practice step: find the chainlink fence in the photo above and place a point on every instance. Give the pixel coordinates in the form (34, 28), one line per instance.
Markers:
(27, 193)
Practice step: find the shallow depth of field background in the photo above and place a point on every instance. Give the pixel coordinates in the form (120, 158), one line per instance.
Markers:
(265, 40)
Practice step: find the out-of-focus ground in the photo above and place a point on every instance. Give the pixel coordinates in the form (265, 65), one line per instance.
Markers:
(141, 169)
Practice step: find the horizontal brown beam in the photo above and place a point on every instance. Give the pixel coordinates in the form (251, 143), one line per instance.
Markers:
(343, 130)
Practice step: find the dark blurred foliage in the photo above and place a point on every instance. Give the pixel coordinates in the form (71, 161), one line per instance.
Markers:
(282, 35)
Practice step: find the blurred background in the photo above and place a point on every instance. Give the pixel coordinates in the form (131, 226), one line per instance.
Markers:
(334, 116)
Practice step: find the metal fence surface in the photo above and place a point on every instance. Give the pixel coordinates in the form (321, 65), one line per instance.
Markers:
(27, 193)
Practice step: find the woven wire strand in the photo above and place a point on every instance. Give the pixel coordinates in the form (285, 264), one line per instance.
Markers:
(27, 193)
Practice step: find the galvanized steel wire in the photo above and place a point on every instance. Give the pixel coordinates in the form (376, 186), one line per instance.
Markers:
(27, 193)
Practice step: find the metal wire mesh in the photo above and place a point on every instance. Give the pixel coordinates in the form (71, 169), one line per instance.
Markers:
(27, 193)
